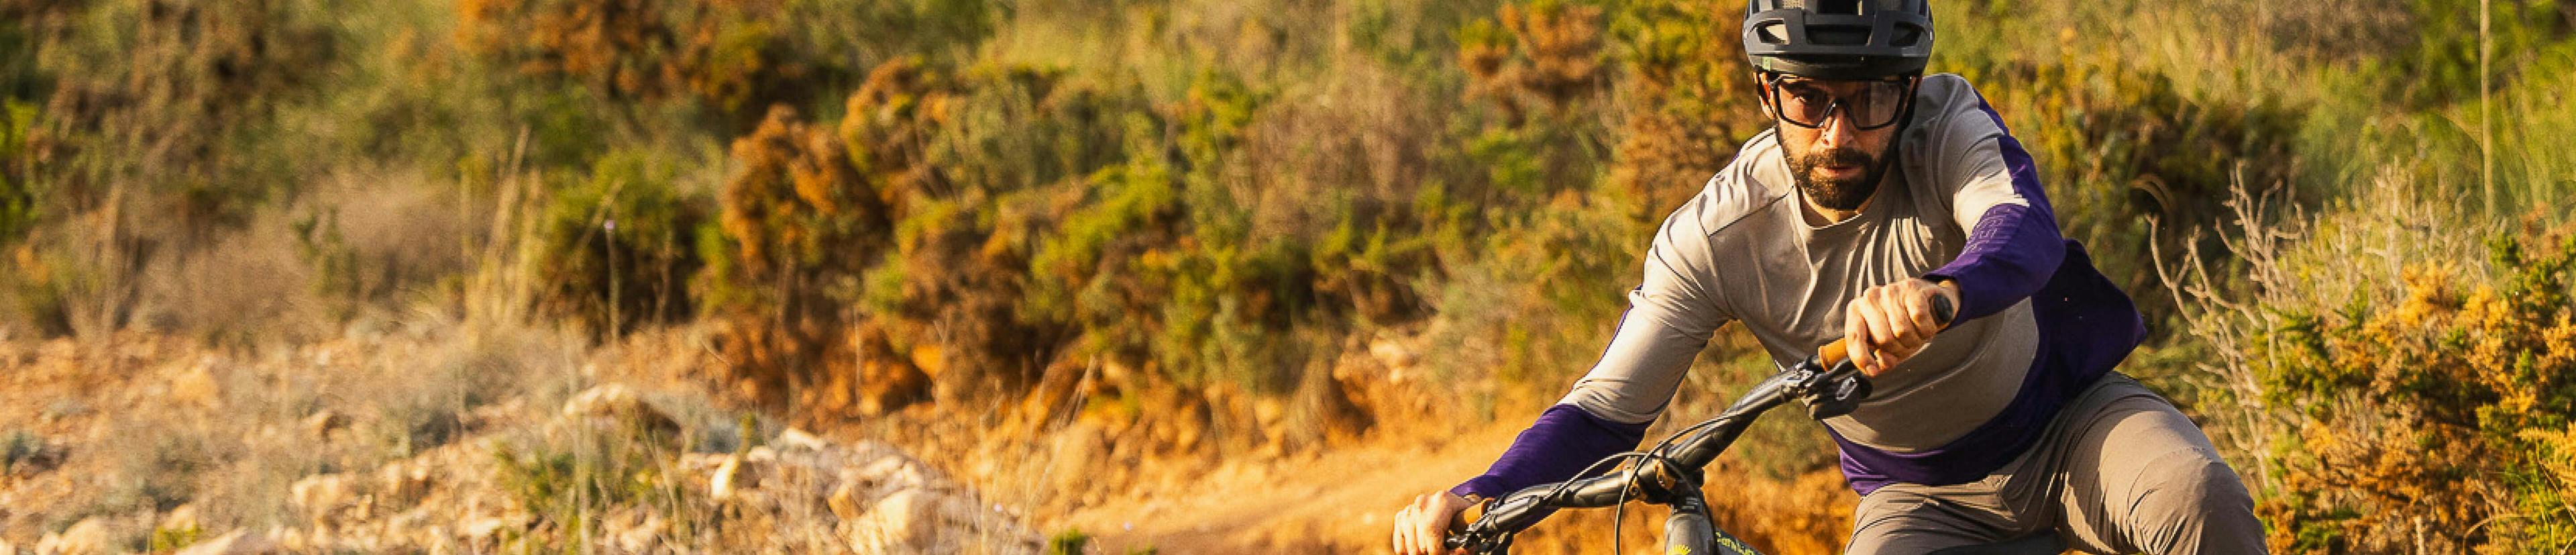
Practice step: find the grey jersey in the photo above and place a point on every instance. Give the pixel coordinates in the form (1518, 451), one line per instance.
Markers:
(1742, 251)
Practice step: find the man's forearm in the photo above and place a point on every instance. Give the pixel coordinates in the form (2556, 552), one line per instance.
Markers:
(1563, 441)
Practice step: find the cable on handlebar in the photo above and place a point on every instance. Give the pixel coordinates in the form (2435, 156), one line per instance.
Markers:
(1560, 486)
(1619, 509)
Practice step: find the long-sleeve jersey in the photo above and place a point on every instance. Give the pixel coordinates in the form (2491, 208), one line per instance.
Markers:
(1963, 203)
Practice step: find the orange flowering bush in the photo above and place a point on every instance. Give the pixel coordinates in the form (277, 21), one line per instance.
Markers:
(727, 54)
(795, 220)
(1548, 52)
(2397, 396)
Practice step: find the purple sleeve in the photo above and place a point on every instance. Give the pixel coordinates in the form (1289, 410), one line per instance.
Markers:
(2013, 248)
(1564, 440)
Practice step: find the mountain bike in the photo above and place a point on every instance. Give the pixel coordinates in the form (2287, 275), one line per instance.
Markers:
(1670, 473)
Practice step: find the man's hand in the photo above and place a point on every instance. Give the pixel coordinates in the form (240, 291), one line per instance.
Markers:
(1420, 527)
(1890, 323)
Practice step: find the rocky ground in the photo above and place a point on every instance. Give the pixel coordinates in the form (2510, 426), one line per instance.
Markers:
(429, 441)
(431, 436)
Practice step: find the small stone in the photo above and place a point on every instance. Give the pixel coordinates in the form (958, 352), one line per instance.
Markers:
(182, 518)
(196, 387)
(486, 528)
(616, 403)
(320, 495)
(911, 520)
(404, 483)
(641, 537)
(239, 542)
(323, 423)
(798, 439)
(727, 478)
(89, 536)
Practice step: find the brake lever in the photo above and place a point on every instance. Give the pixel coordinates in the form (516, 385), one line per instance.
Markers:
(1828, 383)
(1828, 393)
(1480, 543)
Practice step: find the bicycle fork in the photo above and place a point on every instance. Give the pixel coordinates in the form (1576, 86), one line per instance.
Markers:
(1690, 532)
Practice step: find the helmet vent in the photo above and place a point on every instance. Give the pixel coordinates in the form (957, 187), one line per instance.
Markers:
(1906, 36)
(1838, 7)
(1772, 33)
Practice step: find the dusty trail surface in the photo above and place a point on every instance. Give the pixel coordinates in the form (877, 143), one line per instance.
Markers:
(1338, 501)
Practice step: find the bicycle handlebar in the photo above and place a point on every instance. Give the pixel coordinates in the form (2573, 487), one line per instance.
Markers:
(1825, 382)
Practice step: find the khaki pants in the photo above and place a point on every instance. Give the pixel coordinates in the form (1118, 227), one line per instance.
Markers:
(2119, 471)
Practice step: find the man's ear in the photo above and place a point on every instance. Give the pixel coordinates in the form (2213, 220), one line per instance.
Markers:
(1762, 95)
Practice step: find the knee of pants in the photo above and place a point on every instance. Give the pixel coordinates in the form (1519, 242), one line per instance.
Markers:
(2190, 486)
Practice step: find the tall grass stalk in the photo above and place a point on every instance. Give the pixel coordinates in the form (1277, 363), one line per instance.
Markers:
(2486, 109)
(499, 290)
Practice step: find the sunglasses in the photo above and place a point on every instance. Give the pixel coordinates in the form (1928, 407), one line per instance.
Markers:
(1810, 102)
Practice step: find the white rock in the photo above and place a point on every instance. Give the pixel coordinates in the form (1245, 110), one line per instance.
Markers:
(797, 439)
(182, 518)
(88, 537)
(322, 495)
(642, 537)
(720, 485)
(617, 403)
(404, 483)
(239, 542)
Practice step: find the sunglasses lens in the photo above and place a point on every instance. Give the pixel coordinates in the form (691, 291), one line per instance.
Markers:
(1877, 104)
(1804, 103)
(1809, 103)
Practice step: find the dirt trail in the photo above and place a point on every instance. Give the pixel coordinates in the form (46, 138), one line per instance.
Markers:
(1339, 501)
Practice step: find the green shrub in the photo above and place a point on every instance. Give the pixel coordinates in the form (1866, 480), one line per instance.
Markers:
(18, 194)
(1069, 542)
(618, 247)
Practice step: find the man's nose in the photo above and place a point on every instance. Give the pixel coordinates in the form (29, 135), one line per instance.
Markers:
(1837, 129)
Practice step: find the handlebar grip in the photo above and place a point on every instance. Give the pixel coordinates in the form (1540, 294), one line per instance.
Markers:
(1475, 511)
(1835, 353)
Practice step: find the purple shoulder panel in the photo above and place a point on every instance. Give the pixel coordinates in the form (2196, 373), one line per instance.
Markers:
(2012, 248)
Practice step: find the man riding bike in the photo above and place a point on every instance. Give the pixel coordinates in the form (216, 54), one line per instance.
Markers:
(1879, 189)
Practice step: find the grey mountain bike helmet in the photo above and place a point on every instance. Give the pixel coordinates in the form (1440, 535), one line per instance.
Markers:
(1839, 39)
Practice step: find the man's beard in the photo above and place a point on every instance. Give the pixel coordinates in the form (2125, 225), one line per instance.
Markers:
(1838, 194)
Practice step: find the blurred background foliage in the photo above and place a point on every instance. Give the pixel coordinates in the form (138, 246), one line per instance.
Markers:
(880, 204)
